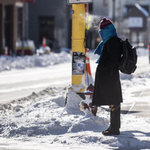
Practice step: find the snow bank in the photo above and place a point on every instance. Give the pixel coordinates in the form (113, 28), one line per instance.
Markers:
(8, 63)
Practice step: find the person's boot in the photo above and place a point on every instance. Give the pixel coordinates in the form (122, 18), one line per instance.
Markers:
(111, 131)
(114, 123)
(94, 110)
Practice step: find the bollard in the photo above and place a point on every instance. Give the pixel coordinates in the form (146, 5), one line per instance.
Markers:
(6, 51)
(44, 42)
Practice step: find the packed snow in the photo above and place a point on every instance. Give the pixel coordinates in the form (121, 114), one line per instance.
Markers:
(51, 119)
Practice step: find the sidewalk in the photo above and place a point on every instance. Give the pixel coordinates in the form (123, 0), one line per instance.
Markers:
(138, 108)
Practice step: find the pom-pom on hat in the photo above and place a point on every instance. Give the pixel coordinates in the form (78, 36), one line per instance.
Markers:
(104, 23)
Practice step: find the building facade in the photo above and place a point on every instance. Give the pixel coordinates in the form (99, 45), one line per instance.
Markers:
(136, 25)
(10, 24)
(125, 9)
(50, 19)
(53, 19)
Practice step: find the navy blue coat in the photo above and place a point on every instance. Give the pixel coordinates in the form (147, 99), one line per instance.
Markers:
(107, 87)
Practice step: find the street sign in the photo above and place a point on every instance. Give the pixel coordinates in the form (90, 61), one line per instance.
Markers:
(79, 1)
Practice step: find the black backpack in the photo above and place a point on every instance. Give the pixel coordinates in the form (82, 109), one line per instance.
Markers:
(128, 59)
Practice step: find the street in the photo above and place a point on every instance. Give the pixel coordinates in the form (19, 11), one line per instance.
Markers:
(16, 84)
(20, 83)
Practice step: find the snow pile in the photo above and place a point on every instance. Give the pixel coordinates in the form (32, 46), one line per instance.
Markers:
(45, 114)
(8, 63)
(34, 115)
(44, 119)
(73, 100)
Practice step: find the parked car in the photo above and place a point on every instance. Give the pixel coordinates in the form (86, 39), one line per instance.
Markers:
(29, 47)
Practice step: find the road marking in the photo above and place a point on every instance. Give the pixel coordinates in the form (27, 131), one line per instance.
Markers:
(134, 103)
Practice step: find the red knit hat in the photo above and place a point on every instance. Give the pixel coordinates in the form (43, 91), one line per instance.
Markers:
(104, 23)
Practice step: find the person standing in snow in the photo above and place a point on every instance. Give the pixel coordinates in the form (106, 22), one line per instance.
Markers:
(107, 88)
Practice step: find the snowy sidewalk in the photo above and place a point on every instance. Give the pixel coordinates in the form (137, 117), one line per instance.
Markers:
(39, 122)
(139, 108)
(13, 145)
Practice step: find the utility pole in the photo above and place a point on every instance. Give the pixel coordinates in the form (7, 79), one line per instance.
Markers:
(23, 26)
(78, 44)
(113, 14)
(78, 49)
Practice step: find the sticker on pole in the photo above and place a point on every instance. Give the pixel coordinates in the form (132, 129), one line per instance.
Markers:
(78, 63)
(79, 1)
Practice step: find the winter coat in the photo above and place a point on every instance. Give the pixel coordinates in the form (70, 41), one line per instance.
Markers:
(107, 88)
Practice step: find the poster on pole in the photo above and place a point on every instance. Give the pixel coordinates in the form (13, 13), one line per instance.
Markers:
(78, 63)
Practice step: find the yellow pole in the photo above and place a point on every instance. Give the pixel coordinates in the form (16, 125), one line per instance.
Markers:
(78, 49)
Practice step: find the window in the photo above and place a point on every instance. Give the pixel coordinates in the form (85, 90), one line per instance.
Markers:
(46, 29)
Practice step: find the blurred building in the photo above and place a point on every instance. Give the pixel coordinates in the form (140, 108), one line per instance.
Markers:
(97, 10)
(50, 19)
(127, 11)
(136, 24)
(100, 7)
(10, 24)
(123, 13)
(53, 19)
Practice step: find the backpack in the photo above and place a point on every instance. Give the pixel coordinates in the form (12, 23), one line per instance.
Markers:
(128, 60)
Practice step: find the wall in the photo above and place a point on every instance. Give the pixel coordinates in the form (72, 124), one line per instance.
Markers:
(59, 9)
(100, 7)
(13, 25)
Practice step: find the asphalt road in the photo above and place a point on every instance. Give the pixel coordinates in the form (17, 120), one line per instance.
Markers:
(16, 84)
(20, 83)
